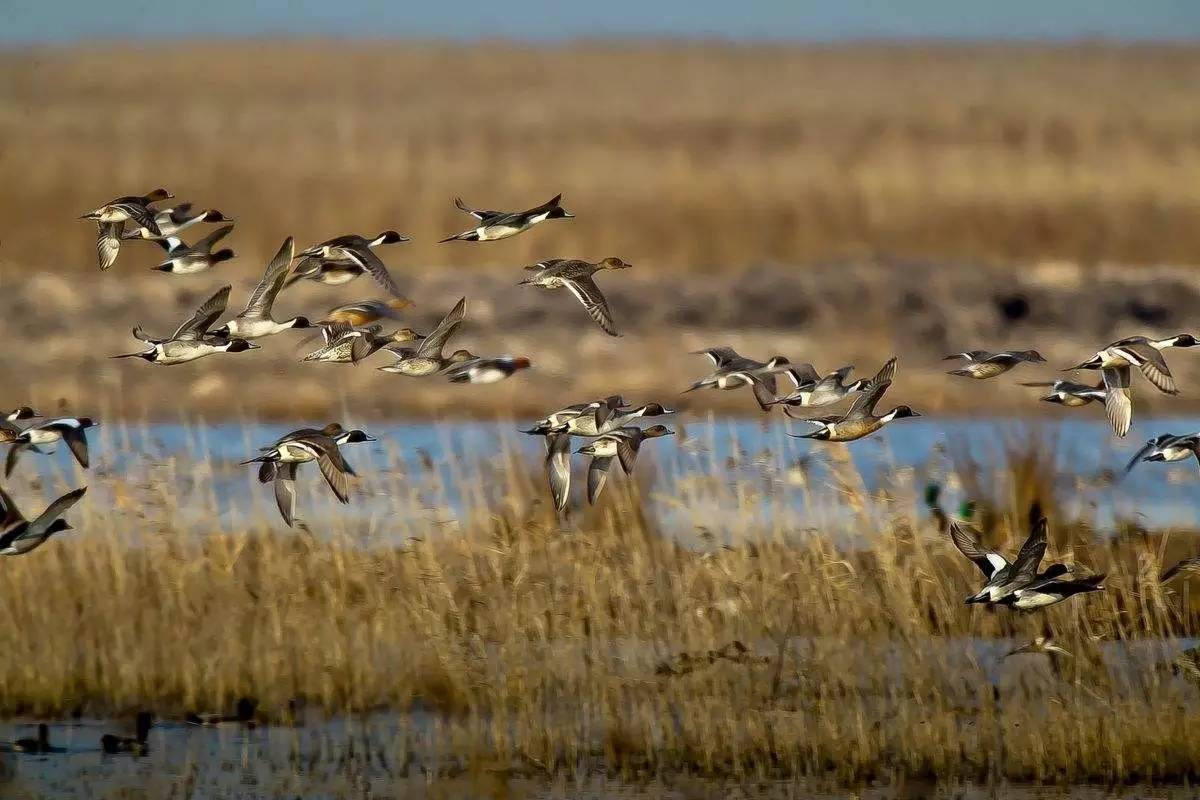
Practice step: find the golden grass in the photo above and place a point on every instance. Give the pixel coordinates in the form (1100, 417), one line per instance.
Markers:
(684, 156)
(610, 645)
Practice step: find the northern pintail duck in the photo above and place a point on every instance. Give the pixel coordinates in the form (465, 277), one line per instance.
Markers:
(596, 418)
(39, 745)
(19, 535)
(1069, 393)
(861, 420)
(427, 358)
(495, 225)
(365, 312)
(343, 258)
(255, 321)
(8, 425)
(1187, 565)
(982, 364)
(347, 345)
(280, 460)
(576, 276)
(1002, 575)
(732, 371)
(62, 429)
(112, 216)
(175, 220)
(183, 259)
(1114, 362)
(192, 339)
(1167, 447)
(811, 390)
(1043, 645)
(623, 444)
(486, 370)
(1047, 591)
(244, 714)
(137, 745)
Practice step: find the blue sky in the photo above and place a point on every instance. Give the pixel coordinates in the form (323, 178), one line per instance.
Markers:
(52, 21)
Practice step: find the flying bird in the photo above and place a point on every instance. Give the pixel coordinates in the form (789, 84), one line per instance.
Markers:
(576, 276)
(19, 535)
(494, 225)
(343, 258)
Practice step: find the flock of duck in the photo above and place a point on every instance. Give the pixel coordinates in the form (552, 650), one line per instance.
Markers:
(353, 332)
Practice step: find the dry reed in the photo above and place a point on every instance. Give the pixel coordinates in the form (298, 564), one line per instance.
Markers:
(831, 642)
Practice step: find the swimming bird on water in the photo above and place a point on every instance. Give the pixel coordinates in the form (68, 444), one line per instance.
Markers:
(1069, 393)
(622, 444)
(112, 216)
(811, 390)
(343, 258)
(192, 339)
(19, 535)
(1114, 362)
(183, 259)
(861, 420)
(494, 225)
(732, 371)
(255, 321)
(62, 429)
(982, 364)
(486, 370)
(281, 459)
(40, 745)
(1167, 447)
(576, 276)
(427, 358)
(244, 711)
(137, 744)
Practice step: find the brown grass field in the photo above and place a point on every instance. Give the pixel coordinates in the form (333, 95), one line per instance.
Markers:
(609, 645)
(698, 157)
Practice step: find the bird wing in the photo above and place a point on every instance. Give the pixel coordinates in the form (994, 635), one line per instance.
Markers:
(1030, 556)
(335, 470)
(479, 214)
(627, 451)
(597, 476)
(10, 462)
(720, 356)
(587, 292)
(76, 440)
(12, 514)
(989, 561)
(864, 404)
(263, 296)
(285, 492)
(1152, 364)
(802, 374)
(762, 391)
(1187, 564)
(140, 214)
(108, 243)
(365, 257)
(432, 344)
(1117, 400)
(199, 323)
(1142, 452)
(53, 512)
(206, 244)
(558, 468)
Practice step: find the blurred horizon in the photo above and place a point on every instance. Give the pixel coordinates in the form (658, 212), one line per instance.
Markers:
(546, 21)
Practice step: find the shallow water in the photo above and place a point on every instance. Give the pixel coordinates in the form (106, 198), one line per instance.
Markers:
(427, 475)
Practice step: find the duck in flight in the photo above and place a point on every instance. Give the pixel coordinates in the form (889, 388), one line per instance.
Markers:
(732, 371)
(174, 221)
(622, 444)
(427, 358)
(811, 390)
(255, 321)
(1167, 447)
(281, 459)
(343, 258)
(861, 420)
(981, 364)
(111, 217)
(1069, 393)
(576, 276)
(494, 225)
(19, 535)
(183, 259)
(487, 370)
(1115, 362)
(192, 339)
(63, 429)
